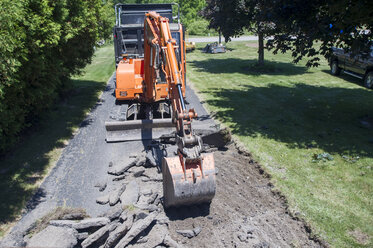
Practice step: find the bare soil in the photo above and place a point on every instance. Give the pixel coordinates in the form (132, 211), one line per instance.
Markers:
(244, 213)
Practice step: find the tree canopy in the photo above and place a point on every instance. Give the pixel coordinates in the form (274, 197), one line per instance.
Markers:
(300, 24)
(297, 25)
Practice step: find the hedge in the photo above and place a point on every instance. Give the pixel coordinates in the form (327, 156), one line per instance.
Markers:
(42, 44)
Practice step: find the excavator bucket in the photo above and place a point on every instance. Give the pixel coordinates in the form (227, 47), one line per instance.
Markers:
(117, 131)
(191, 184)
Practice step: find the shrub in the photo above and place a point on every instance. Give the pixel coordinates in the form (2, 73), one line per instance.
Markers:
(42, 44)
(200, 27)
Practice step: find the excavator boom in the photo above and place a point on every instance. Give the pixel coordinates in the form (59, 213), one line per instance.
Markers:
(156, 83)
(188, 178)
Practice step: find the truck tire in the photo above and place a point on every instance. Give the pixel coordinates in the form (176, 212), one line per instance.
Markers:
(334, 69)
(368, 80)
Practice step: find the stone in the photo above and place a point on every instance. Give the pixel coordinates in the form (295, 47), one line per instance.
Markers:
(245, 234)
(139, 214)
(115, 195)
(147, 192)
(157, 201)
(137, 228)
(124, 215)
(82, 236)
(100, 235)
(119, 178)
(114, 212)
(156, 235)
(142, 240)
(92, 222)
(162, 219)
(103, 199)
(137, 171)
(54, 236)
(190, 233)
(141, 159)
(152, 199)
(119, 232)
(150, 159)
(123, 167)
(63, 223)
(197, 230)
(169, 242)
(186, 233)
(131, 195)
(101, 185)
(113, 225)
(148, 207)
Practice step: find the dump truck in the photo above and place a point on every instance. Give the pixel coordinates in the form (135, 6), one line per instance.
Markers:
(151, 86)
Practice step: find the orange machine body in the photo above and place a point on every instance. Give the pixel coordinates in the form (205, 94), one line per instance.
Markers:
(135, 81)
(129, 79)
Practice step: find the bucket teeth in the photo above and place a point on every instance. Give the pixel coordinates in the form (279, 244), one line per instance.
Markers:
(194, 186)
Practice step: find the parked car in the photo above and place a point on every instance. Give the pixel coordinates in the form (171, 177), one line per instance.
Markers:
(354, 65)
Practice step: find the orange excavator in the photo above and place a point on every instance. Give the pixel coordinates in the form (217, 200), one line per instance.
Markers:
(151, 81)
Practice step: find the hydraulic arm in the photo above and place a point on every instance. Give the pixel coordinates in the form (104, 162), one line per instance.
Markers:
(153, 86)
(190, 177)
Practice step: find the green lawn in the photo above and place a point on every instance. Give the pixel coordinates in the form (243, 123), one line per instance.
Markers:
(285, 115)
(23, 169)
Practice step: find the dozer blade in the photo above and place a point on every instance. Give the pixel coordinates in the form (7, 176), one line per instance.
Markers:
(117, 131)
(197, 185)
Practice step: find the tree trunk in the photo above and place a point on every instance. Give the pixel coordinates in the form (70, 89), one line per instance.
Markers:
(261, 48)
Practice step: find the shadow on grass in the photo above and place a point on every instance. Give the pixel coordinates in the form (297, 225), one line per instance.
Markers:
(246, 66)
(21, 168)
(302, 116)
(348, 78)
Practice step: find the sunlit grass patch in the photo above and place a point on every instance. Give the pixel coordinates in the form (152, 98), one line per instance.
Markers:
(304, 126)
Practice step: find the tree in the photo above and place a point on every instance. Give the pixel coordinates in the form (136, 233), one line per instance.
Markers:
(42, 44)
(231, 18)
(300, 24)
(297, 25)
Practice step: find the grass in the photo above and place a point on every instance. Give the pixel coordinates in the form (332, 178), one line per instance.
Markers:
(59, 213)
(286, 115)
(24, 168)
